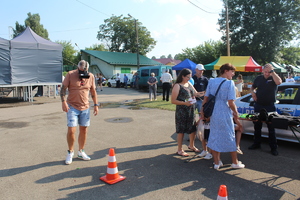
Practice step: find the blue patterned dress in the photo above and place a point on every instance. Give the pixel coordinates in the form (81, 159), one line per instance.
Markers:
(222, 135)
(184, 115)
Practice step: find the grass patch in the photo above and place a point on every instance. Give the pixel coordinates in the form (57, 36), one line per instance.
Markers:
(159, 104)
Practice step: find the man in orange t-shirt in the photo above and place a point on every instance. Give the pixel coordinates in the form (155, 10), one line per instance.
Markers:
(79, 83)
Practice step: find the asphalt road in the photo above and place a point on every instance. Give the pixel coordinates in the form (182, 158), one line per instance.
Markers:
(33, 149)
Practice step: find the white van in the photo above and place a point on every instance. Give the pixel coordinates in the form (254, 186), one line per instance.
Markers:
(113, 83)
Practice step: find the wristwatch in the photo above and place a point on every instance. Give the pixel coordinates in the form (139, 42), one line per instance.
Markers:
(96, 104)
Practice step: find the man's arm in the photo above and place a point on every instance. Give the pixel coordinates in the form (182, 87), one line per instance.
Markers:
(253, 93)
(63, 92)
(276, 78)
(95, 100)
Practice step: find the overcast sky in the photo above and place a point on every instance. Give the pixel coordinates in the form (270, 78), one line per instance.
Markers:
(174, 24)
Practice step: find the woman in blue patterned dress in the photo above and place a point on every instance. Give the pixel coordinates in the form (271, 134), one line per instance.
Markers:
(222, 134)
(183, 96)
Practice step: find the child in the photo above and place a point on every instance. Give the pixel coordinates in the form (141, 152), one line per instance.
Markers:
(203, 129)
(238, 132)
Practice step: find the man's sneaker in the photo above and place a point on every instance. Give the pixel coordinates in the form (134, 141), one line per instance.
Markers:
(69, 157)
(239, 165)
(82, 155)
(203, 153)
(274, 152)
(219, 165)
(254, 146)
(208, 156)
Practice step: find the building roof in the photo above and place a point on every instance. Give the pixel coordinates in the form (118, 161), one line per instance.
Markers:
(167, 61)
(118, 58)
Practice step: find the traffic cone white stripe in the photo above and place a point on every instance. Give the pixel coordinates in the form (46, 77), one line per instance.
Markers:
(112, 159)
(112, 176)
(112, 170)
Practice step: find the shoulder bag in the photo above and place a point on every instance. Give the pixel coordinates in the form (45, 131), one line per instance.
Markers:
(208, 107)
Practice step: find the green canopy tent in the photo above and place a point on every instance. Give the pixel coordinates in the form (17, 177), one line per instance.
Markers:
(278, 68)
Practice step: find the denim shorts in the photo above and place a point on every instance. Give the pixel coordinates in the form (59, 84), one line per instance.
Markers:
(76, 117)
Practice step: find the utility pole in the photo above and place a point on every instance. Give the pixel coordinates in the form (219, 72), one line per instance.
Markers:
(227, 28)
(137, 42)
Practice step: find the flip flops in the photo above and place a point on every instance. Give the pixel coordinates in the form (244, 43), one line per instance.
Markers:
(194, 149)
(182, 153)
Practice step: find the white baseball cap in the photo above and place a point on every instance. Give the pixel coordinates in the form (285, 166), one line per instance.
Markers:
(200, 67)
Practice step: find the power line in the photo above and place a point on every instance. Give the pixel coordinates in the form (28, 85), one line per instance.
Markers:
(93, 8)
(79, 29)
(201, 8)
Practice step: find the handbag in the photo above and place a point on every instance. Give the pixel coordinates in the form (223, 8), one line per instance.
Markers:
(208, 107)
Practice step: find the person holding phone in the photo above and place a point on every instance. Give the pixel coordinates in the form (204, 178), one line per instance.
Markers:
(263, 92)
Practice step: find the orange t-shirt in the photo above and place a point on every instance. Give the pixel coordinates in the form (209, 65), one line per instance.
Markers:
(78, 96)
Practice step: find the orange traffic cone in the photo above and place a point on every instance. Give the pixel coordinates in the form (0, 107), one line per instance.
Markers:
(222, 195)
(112, 176)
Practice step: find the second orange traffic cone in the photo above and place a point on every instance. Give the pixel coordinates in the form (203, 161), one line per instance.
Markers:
(222, 195)
(112, 176)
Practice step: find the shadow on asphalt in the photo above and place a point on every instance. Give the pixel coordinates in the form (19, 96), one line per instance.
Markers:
(164, 171)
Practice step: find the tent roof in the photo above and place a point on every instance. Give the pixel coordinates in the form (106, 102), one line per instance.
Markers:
(119, 58)
(4, 44)
(242, 63)
(187, 63)
(278, 68)
(28, 39)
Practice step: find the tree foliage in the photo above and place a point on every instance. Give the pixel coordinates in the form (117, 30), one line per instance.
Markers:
(97, 47)
(261, 28)
(33, 21)
(290, 55)
(70, 55)
(119, 33)
(205, 53)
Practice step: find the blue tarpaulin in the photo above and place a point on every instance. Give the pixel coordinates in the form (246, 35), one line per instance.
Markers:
(187, 63)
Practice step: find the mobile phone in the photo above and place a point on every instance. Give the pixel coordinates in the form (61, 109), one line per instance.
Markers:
(271, 71)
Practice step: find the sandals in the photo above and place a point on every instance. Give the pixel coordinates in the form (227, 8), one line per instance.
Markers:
(194, 149)
(182, 153)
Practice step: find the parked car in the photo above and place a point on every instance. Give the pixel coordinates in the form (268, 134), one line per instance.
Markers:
(145, 73)
(113, 83)
(285, 105)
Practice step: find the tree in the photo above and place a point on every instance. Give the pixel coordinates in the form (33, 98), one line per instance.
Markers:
(153, 57)
(205, 53)
(119, 33)
(163, 56)
(261, 28)
(33, 21)
(70, 55)
(290, 55)
(170, 56)
(97, 47)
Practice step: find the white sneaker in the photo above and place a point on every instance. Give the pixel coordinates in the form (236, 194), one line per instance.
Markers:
(239, 165)
(208, 156)
(69, 157)
(82, 155)
(203, 153)
(219, 165)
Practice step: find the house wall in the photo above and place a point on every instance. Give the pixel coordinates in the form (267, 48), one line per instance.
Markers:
(99, 66)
